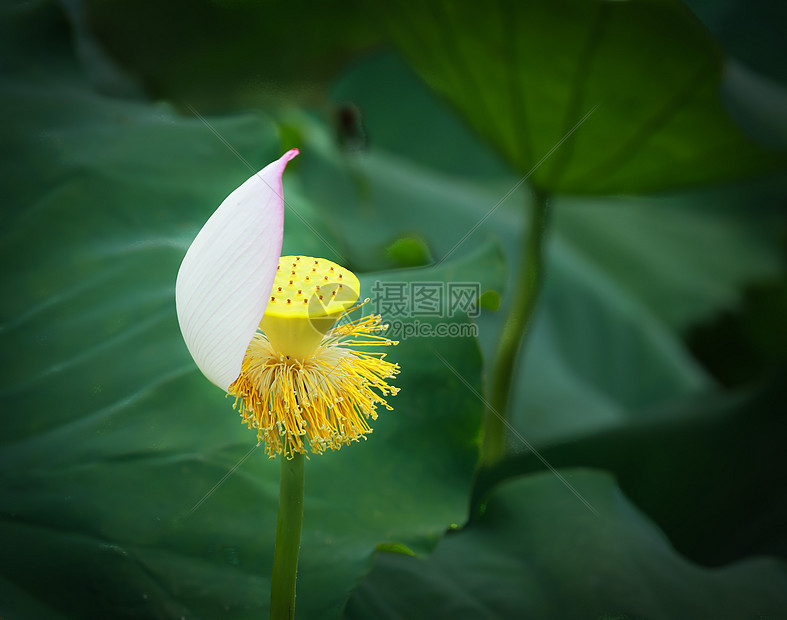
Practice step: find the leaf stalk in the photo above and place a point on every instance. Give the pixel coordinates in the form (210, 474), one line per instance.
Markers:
(529, 279)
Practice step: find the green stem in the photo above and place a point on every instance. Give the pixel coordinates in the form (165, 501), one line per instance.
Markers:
(288, 538)
(520, 314)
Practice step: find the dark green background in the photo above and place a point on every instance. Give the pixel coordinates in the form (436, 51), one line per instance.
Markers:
(651, 381)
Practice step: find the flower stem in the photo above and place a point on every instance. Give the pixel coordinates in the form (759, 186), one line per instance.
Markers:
(520, 314)
(288, 538)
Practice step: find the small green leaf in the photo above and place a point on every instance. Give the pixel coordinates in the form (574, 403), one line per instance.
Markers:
(490, 300)
(410, 251)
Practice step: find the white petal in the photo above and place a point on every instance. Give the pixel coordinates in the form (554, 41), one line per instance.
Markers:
(225, 280)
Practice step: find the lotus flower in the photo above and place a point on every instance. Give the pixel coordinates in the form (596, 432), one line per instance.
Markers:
(262, 327)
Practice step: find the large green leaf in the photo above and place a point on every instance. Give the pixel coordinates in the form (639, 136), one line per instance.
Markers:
(538, 552)
(130, 489)
(626, 92)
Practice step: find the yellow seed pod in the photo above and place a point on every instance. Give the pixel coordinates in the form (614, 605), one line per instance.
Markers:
(308, 297)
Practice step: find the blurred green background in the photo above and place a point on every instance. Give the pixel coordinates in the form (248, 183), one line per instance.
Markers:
(651, 381)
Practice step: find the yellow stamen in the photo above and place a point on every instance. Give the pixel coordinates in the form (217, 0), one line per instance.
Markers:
(318, 403)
